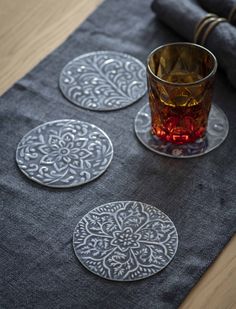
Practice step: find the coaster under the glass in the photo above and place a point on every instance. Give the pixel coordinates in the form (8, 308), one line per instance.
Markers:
(217, 131)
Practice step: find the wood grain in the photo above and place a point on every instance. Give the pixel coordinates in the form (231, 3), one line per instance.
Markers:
(31, 29)
(217, 287)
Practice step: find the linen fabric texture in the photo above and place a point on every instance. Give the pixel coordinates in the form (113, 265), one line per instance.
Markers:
(37, 264)
(221, 8)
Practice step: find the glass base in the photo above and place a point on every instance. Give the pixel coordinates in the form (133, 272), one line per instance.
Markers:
(217, 131)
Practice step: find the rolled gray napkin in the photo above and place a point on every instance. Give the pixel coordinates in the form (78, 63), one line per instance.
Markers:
(183, 16)
(222, 8)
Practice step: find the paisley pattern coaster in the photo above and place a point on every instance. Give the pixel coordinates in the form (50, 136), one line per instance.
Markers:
(125, 241)
(64, 153)
(217, 131)
(103, 80)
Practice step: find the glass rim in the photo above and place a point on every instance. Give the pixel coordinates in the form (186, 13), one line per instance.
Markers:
(213, 71)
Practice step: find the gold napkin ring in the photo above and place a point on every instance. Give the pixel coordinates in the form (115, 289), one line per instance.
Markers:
(202, 24)
(232, 15)
(205, 26)
(209, 15)
(211, 27)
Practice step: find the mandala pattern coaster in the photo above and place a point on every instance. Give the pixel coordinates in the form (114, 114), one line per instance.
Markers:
(103, 80)
(125, 241)
(217, 131)
(64, 153)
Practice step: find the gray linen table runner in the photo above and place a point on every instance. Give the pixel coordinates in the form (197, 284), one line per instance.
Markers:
(37, 264)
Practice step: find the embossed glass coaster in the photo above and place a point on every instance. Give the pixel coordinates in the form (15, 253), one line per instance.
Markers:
(103, 80)
(217, 131)
(125, 240)
(64, 153)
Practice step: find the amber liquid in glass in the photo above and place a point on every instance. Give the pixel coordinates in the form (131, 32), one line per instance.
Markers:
(180, 113)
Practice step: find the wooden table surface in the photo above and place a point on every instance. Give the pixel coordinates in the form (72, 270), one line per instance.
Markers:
(30, 30)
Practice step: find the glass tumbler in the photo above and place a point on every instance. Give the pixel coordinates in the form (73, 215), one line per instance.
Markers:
(180, 87)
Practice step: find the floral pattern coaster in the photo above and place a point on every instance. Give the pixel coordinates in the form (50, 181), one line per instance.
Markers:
(64, 153)
(103, 80)
(125, 240)
(217, 131)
